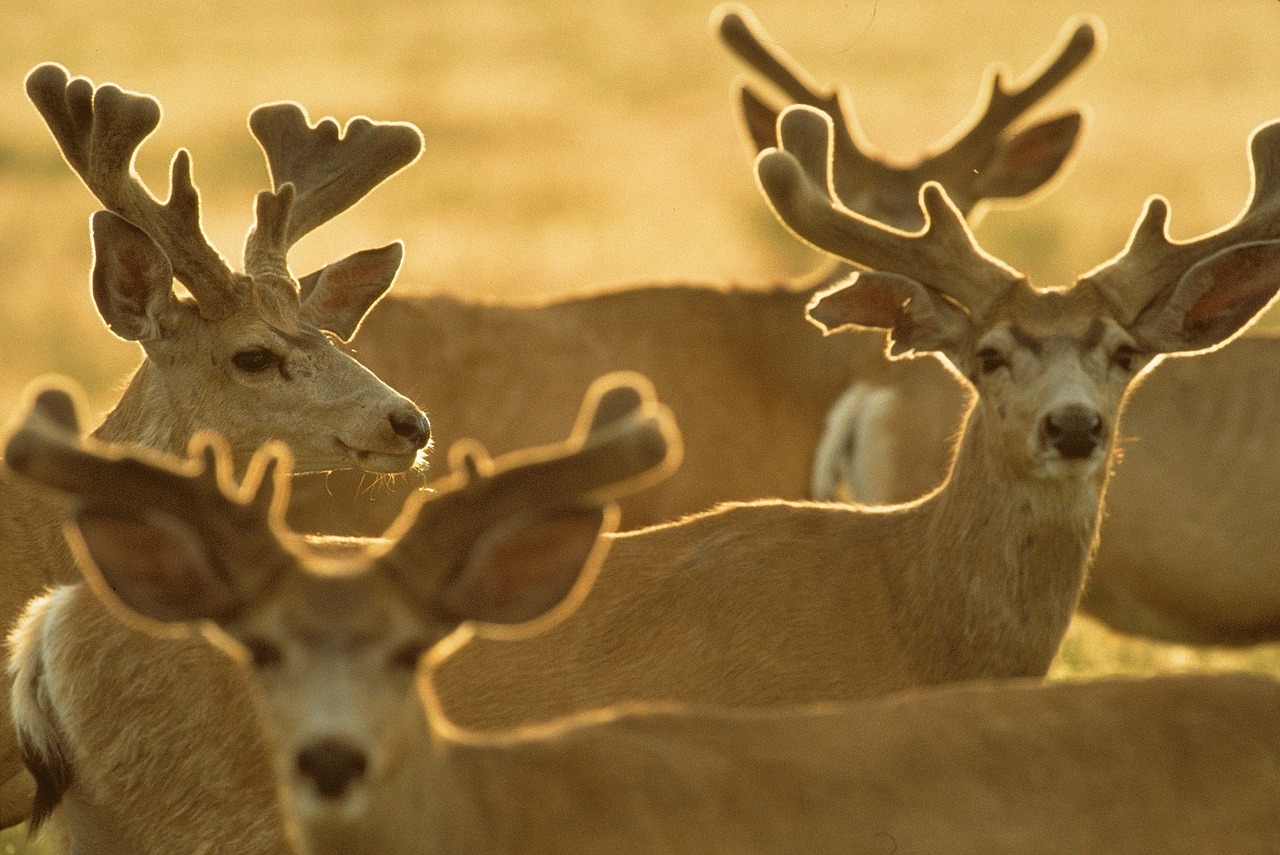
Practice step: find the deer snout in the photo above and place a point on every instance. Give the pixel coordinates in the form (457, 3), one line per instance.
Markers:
(411, 425)
(332, 765)
(1075, 431)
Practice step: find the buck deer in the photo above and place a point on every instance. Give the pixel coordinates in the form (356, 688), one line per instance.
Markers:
(502, 542)
(775, 602)
(251, 354)
(331, 633)
(1199, 441)
(763, 373)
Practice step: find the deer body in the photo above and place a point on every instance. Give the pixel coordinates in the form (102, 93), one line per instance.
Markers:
(331, 632)
(1199, 441)
(250, 815)
(740, 365)
(749, 356)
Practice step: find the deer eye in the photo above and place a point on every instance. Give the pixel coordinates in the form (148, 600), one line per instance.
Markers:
(255, 360)
(1124, 357)
(264, 653)
(406, 656)
(991, 360)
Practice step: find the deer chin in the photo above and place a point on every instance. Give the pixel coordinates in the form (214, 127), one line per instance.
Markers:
(314, 808)
(1052, 466)
(350, 456)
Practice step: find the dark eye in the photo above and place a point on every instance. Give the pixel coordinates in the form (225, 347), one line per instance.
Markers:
(264, 653)
(1125, 357)
(990, 360)
(406, 656)
(255, 360)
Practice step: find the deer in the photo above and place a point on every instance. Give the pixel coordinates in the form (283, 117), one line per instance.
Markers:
(253, 354)
(761, 369)
(1197, 444)
(774, 602)
(508, 538)
(328, 631)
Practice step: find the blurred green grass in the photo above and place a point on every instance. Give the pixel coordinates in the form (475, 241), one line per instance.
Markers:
(570, 146)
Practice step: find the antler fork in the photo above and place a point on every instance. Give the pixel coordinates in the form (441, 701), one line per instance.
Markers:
(943, 255)
(99, 131)
(952, 164)
(317, 173)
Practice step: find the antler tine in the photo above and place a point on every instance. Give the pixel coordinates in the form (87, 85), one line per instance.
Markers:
(199, 490)
(943, 255)
(330, 170)
(1152, 262)
(743, 35)
(99, 131)
(621, 449)
(1006, 106)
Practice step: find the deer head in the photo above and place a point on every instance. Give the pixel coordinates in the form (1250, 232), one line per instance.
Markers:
(1051, 367)
(981, 159)
(250, 354)
(334, 629)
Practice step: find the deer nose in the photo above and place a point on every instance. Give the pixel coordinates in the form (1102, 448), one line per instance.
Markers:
(412, 426)
(332, 765)
(1074, 430)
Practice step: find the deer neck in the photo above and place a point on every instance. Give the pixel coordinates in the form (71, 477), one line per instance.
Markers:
(149, 414)
(1014, 561)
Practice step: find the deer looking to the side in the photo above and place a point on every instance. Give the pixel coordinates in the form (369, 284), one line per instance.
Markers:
(774, 602)
(129, 728)
(331, 633)
(251, 354)
(741, 367)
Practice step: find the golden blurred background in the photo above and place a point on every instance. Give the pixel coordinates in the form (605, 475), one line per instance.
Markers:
(572, 146)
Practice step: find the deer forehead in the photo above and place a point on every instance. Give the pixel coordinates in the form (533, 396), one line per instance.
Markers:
(1079, 318)
(267, 316)
(339, 602)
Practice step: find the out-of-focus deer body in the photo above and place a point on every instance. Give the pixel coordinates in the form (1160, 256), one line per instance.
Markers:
(777, 602)
(102, 708)
(740, 365)
(332, 633)
(249, 354)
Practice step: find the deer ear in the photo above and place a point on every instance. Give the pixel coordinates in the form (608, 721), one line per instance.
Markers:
(152, 564)
(132, 278)
(523, 567)
(1214, 300)
(1027, 160)
(918, 319)
(338, 296)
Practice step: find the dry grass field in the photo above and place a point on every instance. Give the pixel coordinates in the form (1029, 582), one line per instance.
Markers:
(570, 146)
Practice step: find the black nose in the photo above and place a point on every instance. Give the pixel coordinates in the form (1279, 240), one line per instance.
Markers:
(412, 425)
(332, 765)
(1074, 430)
